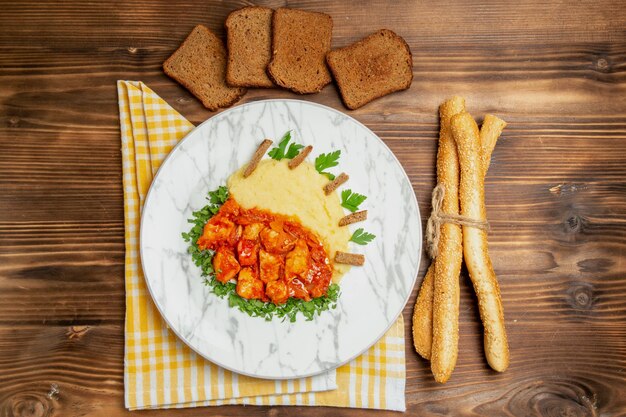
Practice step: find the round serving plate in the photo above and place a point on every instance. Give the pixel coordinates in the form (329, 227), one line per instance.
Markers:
(372, 296)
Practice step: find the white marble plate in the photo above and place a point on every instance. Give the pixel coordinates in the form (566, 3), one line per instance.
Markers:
(372, 296)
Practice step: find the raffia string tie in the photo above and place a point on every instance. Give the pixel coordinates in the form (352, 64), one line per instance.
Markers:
(437, 218)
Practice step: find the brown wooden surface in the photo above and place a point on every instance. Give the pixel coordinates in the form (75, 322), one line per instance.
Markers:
(556, 192)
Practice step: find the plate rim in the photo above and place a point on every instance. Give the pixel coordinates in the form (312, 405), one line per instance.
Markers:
(151, 188)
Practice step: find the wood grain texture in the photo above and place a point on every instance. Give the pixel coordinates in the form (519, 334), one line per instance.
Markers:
(555, 192)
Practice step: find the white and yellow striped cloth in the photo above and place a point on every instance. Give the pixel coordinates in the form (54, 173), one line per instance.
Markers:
(162, 372)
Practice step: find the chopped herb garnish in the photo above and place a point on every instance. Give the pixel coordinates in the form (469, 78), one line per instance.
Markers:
(361, 237)
(289, 310)
(281, 151)
(325, 161)
(351, 200)
(218, 196)
(204, 258)
(255, 308)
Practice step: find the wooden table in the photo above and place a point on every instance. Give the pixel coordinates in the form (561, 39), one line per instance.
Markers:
(556, 192)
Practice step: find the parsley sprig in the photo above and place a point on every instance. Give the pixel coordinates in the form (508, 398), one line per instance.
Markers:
(255, 308)
(361, 237)
(351, 200)
(325, 161)
(281, 151)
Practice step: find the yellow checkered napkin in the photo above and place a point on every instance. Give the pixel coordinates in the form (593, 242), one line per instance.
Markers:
(162, 372)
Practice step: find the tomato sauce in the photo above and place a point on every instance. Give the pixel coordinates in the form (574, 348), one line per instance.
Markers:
(271, 257)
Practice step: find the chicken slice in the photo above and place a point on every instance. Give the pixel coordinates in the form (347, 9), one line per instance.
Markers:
(275, 241)
(297, 289)
(251, 231)
(217, 230)
(277, 291)
(270, 266)
(247, 252)
(225, 264)
(297, 262)
(230, 207)
(249, 286)
(318, 279)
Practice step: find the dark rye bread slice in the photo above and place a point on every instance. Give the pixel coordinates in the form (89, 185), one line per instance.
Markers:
(371, 68)
(199, 64)
(249, 41)
(300, 41)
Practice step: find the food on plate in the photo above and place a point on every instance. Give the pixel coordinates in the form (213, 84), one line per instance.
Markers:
(349, 258)
(256, 158)
(475, 248)
(299, 194)
(336, 183)
(423, 316)
(199, 64)
(373, 67)
(356, 217)
(446, 292)
(249, 40)
(256, 247)
(295, 162)
(300, 41)
(269, 239)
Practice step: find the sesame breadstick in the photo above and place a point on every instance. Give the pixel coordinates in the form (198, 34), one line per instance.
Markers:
(446, 292)
(475, 249)
(490, 131)
(422, 314)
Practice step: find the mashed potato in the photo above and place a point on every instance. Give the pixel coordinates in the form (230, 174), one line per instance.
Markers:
(299, 193)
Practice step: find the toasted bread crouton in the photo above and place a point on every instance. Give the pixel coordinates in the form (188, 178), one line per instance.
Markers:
(295, 162)
(256, 158)
(349, 258)
(359, 216)
(334, 184)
